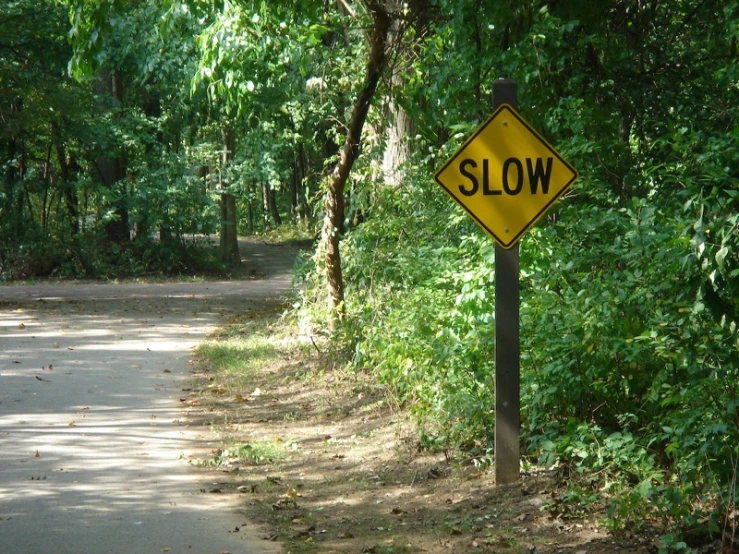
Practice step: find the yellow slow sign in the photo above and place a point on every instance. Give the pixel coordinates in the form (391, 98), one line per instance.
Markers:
(506, 176)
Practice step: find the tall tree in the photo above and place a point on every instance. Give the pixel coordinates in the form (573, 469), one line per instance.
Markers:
(111, 165)
(333, 220)
(229, 243)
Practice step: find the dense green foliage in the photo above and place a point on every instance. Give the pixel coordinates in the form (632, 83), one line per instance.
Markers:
(120, 171)
(629, 303)
(629, 310)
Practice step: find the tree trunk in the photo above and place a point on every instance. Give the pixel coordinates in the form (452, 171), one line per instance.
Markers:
(14, 171)
(397, 146)
(229, 230)
(271, 198)
(112, 168)
(334, 205)
(304, 208)
(153, 111)
(250, 216)
(399, 127)
(229, 234)
(66, 166)
(295, 188)
(265, 206)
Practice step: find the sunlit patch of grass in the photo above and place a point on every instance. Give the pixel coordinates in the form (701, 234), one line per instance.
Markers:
(240, 350)
(253, 453)
(293, 232)
(237, 358)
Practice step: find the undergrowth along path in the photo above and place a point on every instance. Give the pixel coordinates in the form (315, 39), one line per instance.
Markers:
(330, 464)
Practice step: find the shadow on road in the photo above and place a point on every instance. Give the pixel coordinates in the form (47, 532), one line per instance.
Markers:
(92, 447)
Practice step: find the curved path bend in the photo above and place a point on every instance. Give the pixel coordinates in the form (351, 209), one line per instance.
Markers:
(92, 448)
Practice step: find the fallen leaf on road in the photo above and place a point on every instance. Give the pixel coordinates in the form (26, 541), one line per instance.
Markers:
(72, 423)
(37, 455)
(21, 326)
(167, 371)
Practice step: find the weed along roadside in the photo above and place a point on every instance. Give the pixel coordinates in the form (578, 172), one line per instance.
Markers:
(328, 462)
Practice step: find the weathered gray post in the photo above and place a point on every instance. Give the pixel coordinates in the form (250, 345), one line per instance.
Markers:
(507, 346)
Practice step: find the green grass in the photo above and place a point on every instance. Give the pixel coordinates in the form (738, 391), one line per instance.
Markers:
(289, 232)
(238, 351)
(237, 355)
(253, 453)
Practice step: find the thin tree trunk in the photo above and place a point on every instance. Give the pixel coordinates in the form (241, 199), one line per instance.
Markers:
(250, 216)
(14, 193)
(265, 206)
(302, 186)
(66, 164)
(112, 168)
(153, 111)
(295, 188)
(229, 231)
(334, 205)
(48, 178)
(271, 197)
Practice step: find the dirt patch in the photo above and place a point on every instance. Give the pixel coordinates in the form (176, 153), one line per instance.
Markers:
(326, 461)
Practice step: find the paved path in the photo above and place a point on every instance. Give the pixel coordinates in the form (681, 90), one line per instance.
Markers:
(91, 443)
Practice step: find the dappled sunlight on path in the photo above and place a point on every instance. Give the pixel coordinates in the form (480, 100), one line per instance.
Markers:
(92, 449)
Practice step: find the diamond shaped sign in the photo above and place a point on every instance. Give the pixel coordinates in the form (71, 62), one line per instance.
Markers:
(506, 176)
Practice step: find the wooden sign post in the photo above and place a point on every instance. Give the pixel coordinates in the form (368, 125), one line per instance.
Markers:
(507, 340)
(506, 176)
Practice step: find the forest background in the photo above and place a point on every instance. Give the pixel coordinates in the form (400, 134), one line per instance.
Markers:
(129, 128)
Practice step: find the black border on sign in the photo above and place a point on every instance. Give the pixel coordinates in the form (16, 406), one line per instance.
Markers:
(545, 208)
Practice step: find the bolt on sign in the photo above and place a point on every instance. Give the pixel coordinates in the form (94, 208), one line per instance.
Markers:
(506, 176)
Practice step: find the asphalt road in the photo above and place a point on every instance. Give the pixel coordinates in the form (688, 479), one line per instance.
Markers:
(92, 445)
